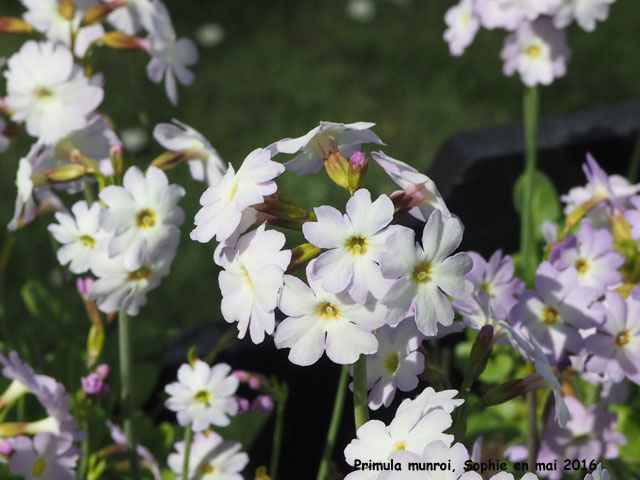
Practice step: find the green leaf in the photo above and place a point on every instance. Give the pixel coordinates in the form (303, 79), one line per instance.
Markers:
(544, 200)
(498, 368)
(244, 428)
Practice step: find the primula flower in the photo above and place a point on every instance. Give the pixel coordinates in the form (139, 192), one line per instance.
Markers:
(79, 233)
(203, 395)
(210, 458)
(508, 14)
(591, 254)
(54, 98)
(208, 167)
(453, 456)
(396, 364)
(430, 400)
(537, 51)
(251, 281)
(170, 56)
(598, 474)
(223, 204)
(410, 430)
(496, 278)
(131, 17)
(143, 215)
(119, 288)
(462, 26)
(143, 452)
(355, 242)
(419, 192)
(426, 273)
(615, 345)
(585, 13)
(46, 457)
(318, 321)
(556, 311)
(320, 142)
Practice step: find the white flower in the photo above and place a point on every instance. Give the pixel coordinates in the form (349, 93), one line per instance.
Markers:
(396, 364)
(355, 242)
(170, 56)
(203, 395)
(46, 457)
(210, 458)
(585, 12)
(48, 92)
(208, 167)
(430, 400)
(462, 26)
(508, 14)
(420, 191)
(45, 16)
(598, 474)
(318, 321)
(361, 10)
(410, 430)
(142, 214)
(537, 51)
(210, 34)
(132, 16)
(224, 203)
(135, 139)
(425, 273)
(120, 288)
(323, 140)
(79, 233)
(251, 281)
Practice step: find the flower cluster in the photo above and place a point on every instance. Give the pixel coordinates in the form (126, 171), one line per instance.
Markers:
(535, 46)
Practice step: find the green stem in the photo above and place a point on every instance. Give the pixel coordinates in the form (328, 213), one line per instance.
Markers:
(360, 400)
(634, 165)
(532, 430)
(86, 451)
(527, 244)
(336, 418)
(277, 437)
(126, 388)
(188, 437)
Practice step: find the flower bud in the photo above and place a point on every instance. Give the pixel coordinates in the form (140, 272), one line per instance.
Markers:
(84, 285)
(66, 9)
(95, 342)
(122, 41)
(98, 13)
(620, 228)
(14, 25)
(241, 375)
(6, 449)
(480, 352)
(243, 405)
(337, 168)
(262, 404)
(254, 382)
(302, 254)
(169, 160)
(91, 384)
(65, 173)
(513, 388)
(117, 163)
(102, 370)
(261, 474)
(357, 170)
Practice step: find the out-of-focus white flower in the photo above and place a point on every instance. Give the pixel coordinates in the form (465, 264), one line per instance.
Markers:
(143, 215)
(46, 457)
(134, 139)
(47, 91)
(120, 288)
(598, 474)
(132, 16)
(318, 321)
(361, 10)
(210, 34)
(251, 282)
(143, 452)
(508, 14)
(537, 51)
(79, 233)
(585, 12)
(396, 364)
(462, 26)
(203, 395)
(355, 242)
(170, 56)
(210, 458)
(320, 142)
(209, 167)
(223, 204)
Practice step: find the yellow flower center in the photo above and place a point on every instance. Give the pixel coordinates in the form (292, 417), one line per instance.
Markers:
(399, 446)
(357, 245)
(141, 274)
(550, 315)
(534, 52)
(87, 241)
(245, 272)
(203, 397)
(582, 266)
(207, 469)
(391, 363)
(485, 286)
(422, 273)
(232, 192)
(38, 467)
(623, 338)
(146, 218)
(45, 95)
(464, 20)
(328, 311)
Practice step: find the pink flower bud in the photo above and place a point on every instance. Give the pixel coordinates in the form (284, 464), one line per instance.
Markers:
(358, 159)
(102, 370)
(240, 375)
(243, 405)
(254, 382)
(262, 404)
(92, 384)
(84, 286)
(6, 448)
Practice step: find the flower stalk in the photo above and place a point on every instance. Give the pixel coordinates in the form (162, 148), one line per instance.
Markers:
(360, 400)
(188, 437)
(126, 388)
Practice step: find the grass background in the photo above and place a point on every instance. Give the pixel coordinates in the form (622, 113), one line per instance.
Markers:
(283, 66)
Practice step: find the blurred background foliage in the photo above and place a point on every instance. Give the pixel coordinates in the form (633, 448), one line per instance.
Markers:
(281, 67)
